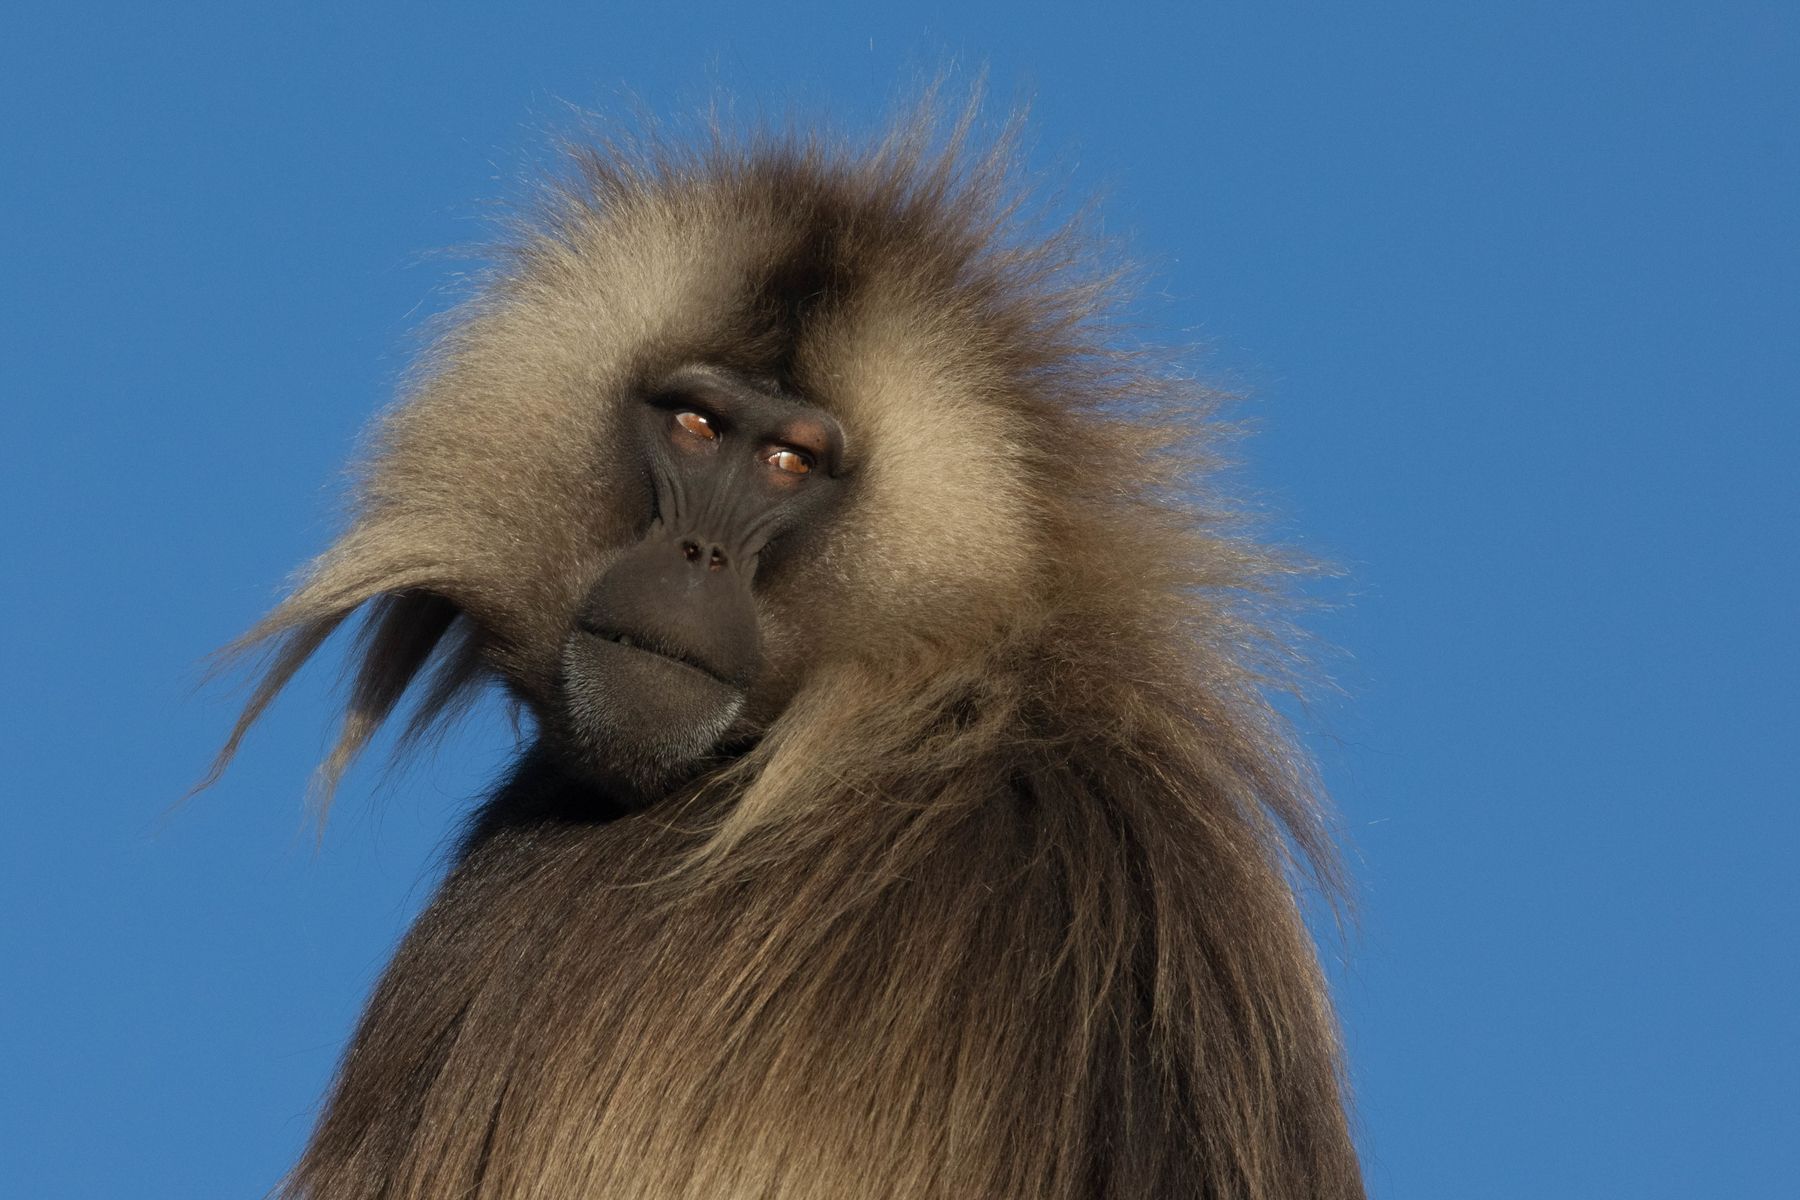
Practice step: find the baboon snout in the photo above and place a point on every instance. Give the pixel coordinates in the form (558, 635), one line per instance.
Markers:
(685, 597)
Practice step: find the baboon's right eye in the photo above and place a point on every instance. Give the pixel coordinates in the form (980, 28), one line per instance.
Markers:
(696, 425)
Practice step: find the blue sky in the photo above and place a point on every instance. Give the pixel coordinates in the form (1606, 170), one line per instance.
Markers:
(1512, 291)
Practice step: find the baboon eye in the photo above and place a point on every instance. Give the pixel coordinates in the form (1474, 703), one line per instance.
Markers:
(783, 458)
(697, 425)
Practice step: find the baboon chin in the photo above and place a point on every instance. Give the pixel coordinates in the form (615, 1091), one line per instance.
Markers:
(900, 812)
(638, 718)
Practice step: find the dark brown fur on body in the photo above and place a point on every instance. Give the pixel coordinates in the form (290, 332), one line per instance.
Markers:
(991, 894)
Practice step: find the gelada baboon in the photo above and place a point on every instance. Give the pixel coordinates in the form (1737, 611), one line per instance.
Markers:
(902, 814)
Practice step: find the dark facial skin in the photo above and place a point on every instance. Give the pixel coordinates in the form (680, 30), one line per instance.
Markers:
(666, 646)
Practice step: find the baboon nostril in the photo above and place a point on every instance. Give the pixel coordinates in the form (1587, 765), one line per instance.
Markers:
(690, 551)
(716, 561)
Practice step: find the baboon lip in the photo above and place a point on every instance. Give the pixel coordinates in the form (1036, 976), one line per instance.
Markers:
(636, 644)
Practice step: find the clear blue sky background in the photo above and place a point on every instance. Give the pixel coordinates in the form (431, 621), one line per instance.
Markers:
(1513, 288)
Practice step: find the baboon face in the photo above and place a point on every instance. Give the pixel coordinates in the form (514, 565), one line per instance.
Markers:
(666, 647)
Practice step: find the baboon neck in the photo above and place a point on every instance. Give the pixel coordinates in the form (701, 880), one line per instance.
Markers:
(544, 789)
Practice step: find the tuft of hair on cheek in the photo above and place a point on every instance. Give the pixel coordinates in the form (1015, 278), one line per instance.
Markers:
(511, 445)
(943, 526)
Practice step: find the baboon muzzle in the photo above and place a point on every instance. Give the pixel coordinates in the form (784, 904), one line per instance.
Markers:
(685, 597)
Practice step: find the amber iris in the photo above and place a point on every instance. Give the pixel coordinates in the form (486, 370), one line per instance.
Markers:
(791, 461)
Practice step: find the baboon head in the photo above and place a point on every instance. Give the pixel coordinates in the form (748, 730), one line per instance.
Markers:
(717, 426)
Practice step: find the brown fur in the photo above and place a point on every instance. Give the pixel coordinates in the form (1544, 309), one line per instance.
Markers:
(997, 899)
